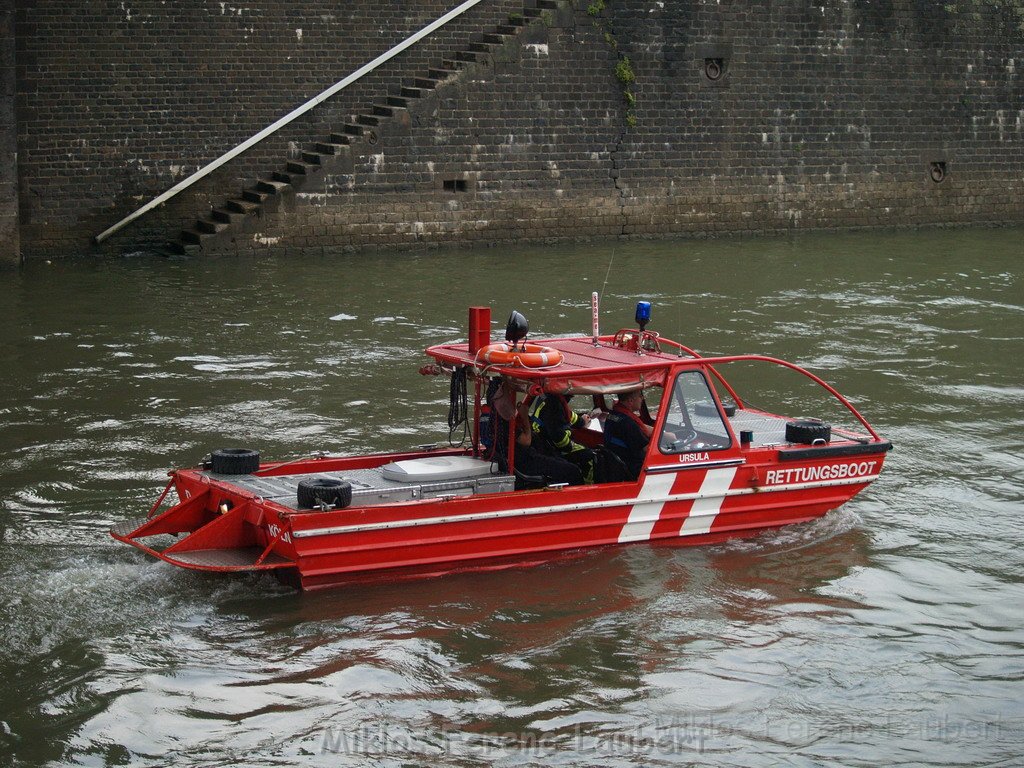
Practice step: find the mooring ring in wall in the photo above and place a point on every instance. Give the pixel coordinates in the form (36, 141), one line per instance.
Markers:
(713, 69)
(372, 137)
(938, 172)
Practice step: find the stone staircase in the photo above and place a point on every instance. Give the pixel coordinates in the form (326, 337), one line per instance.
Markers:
(230, 217)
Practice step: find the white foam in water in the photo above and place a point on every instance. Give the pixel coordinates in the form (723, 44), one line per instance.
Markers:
(343, 316)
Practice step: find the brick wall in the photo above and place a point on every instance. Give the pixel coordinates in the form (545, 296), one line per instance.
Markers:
(10, 252)
(829, 114)
(837, 115)
(118, 100)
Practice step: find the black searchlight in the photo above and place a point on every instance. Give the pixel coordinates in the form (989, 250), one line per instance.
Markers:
(516, 328)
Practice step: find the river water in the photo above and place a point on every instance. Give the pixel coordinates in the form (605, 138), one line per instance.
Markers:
(890, 631)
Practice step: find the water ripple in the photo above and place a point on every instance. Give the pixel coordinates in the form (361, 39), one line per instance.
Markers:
(886, 632)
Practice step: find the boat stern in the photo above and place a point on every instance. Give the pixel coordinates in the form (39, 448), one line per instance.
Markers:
(218, 529)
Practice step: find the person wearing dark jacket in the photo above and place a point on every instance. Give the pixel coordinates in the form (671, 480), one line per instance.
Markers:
(552, 422)
(625, 433)
(531, 465)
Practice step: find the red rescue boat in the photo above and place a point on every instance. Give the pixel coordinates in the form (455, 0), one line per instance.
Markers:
(710, 467)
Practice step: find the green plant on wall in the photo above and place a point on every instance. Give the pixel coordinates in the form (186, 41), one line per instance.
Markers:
(624, 71)
(625, 75)
(623, 67)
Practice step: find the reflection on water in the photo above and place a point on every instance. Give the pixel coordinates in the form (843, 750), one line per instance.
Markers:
(888, 631)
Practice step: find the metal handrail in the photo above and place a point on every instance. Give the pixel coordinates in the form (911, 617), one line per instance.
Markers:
(280, 123)
(709, 361)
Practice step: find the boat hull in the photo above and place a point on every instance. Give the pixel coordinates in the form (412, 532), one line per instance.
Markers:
(231, 527)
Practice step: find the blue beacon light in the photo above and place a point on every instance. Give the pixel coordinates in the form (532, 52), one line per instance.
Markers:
(643, 314)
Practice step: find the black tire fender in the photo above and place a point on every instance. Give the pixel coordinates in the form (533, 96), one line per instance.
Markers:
(327, 490)
(808, 431)
(234, 461)
(709, 409)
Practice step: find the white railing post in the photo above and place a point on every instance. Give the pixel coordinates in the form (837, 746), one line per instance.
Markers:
(280, 123)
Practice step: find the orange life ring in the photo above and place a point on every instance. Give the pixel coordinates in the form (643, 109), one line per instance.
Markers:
(524, 356)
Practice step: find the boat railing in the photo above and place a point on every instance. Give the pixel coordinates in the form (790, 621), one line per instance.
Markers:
(283, 121)
(713, 361)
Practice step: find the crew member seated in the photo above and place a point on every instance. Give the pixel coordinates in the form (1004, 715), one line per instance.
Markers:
(625, 433)
(529, 462)
(552, 422)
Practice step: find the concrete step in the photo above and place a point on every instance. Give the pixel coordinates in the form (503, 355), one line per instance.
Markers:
(424, 83)
(301, 168)
(353, 129)
(193, 237)
(272, 186)
(210, 227)
(226, 215)
(242, 206)
(369, 120)
(288, 179)
(495, 39)
(256, 196)
(338, 143)
(506, 29)
(532, 13)
(467, 56)
(398, 101)
(384, 110)
(480, 47)
(439, 73)
(411, 93)
(312, 158)
(548, 5)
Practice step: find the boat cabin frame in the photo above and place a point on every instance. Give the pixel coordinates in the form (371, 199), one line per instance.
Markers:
(634, 359)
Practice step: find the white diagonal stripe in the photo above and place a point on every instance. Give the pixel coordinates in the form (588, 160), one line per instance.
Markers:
(705, 508)
(644, 513)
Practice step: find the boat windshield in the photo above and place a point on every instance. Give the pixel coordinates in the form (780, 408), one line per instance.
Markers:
(693, 422)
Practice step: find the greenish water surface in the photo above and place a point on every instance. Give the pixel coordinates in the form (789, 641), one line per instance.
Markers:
(888, 632)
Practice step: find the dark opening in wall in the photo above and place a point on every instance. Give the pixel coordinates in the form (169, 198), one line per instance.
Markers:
(713, 60)
(454, 185)
(714, 69)
(938, 171)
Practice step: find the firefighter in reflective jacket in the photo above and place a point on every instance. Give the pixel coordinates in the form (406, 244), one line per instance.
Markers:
(552, 421)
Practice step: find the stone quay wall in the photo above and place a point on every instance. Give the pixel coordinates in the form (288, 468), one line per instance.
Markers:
(10, 242)
(613, 118)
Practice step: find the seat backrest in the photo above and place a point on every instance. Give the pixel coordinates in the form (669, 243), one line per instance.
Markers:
(608, 467)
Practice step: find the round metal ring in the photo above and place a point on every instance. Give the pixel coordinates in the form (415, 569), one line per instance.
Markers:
(713, 69)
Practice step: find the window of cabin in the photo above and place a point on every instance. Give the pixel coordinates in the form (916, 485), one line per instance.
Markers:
(693, 422)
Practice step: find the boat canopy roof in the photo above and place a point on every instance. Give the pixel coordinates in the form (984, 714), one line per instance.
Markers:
(584, 368)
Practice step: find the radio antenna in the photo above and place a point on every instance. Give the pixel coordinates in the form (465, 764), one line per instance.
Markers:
(608, 273)
(593, 300)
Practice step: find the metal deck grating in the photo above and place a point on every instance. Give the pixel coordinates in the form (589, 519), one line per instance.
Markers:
(125, 527)
(226, 558)
(369, 486)
(768, 430)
